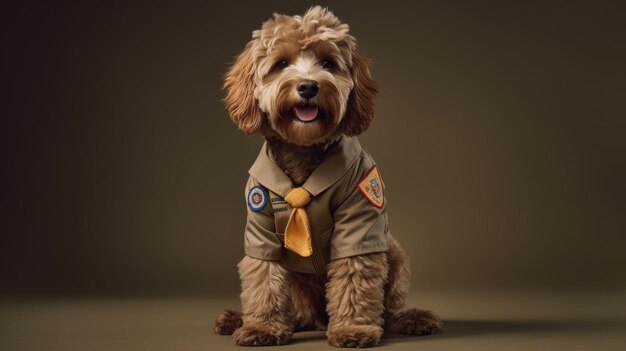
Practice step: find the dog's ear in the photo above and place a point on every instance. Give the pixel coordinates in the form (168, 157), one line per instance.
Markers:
(362, 100)
(240, 101)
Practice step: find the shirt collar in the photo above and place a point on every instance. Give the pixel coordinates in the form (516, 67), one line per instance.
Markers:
(336, 163)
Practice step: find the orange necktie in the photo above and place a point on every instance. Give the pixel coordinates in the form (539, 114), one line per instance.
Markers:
(298, 232)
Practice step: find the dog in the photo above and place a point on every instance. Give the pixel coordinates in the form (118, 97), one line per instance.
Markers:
(319, 254)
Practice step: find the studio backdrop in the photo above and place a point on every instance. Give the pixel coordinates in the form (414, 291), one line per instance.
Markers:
(499, 134)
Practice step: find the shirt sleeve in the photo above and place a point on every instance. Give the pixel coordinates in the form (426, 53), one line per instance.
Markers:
(260, 240)
(360, 227)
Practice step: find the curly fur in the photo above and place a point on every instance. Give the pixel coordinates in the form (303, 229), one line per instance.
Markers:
(227, 322)
(260, 97)
(309, 302)
(355, 294)
(298, 162)
(267, 316)
(366, 296)
(362, 296)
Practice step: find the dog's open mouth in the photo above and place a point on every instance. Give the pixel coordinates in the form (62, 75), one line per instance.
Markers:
(306, 113)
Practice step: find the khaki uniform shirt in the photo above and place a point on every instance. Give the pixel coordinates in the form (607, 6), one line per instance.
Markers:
(347, 217)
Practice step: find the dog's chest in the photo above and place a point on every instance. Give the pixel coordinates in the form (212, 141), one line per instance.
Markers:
(321, 220)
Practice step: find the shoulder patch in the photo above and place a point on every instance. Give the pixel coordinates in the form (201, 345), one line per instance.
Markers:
(257, 198)
(371, 186)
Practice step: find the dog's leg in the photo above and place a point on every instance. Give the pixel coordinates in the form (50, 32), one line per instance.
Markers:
(227, 322)
(307, 294)
(355, 300)
(265, 303)
(398, 321)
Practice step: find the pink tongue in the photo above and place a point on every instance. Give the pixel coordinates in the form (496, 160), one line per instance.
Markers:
(306, 114)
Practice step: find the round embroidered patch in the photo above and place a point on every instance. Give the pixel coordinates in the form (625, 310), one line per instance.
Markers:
(257, 198)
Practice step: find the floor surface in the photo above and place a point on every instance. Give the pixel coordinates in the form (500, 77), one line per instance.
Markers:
(473, 321)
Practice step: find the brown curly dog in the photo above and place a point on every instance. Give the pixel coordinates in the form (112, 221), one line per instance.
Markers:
(319, 254)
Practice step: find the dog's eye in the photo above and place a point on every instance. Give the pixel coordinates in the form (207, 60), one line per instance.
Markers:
(328, 64)
(282, 64)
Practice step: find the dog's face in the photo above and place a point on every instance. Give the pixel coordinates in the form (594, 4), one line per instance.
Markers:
(301, 79)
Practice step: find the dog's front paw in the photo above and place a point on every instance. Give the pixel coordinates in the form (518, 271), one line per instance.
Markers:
(227, 322)
(258, 335)
(413, 322)
(354, 336)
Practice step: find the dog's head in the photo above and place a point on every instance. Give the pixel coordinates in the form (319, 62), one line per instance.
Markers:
(301, 79)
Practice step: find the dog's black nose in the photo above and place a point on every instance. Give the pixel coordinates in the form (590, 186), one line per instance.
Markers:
(308, 88)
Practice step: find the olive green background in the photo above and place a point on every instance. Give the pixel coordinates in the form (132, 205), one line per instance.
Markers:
(500, 135)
